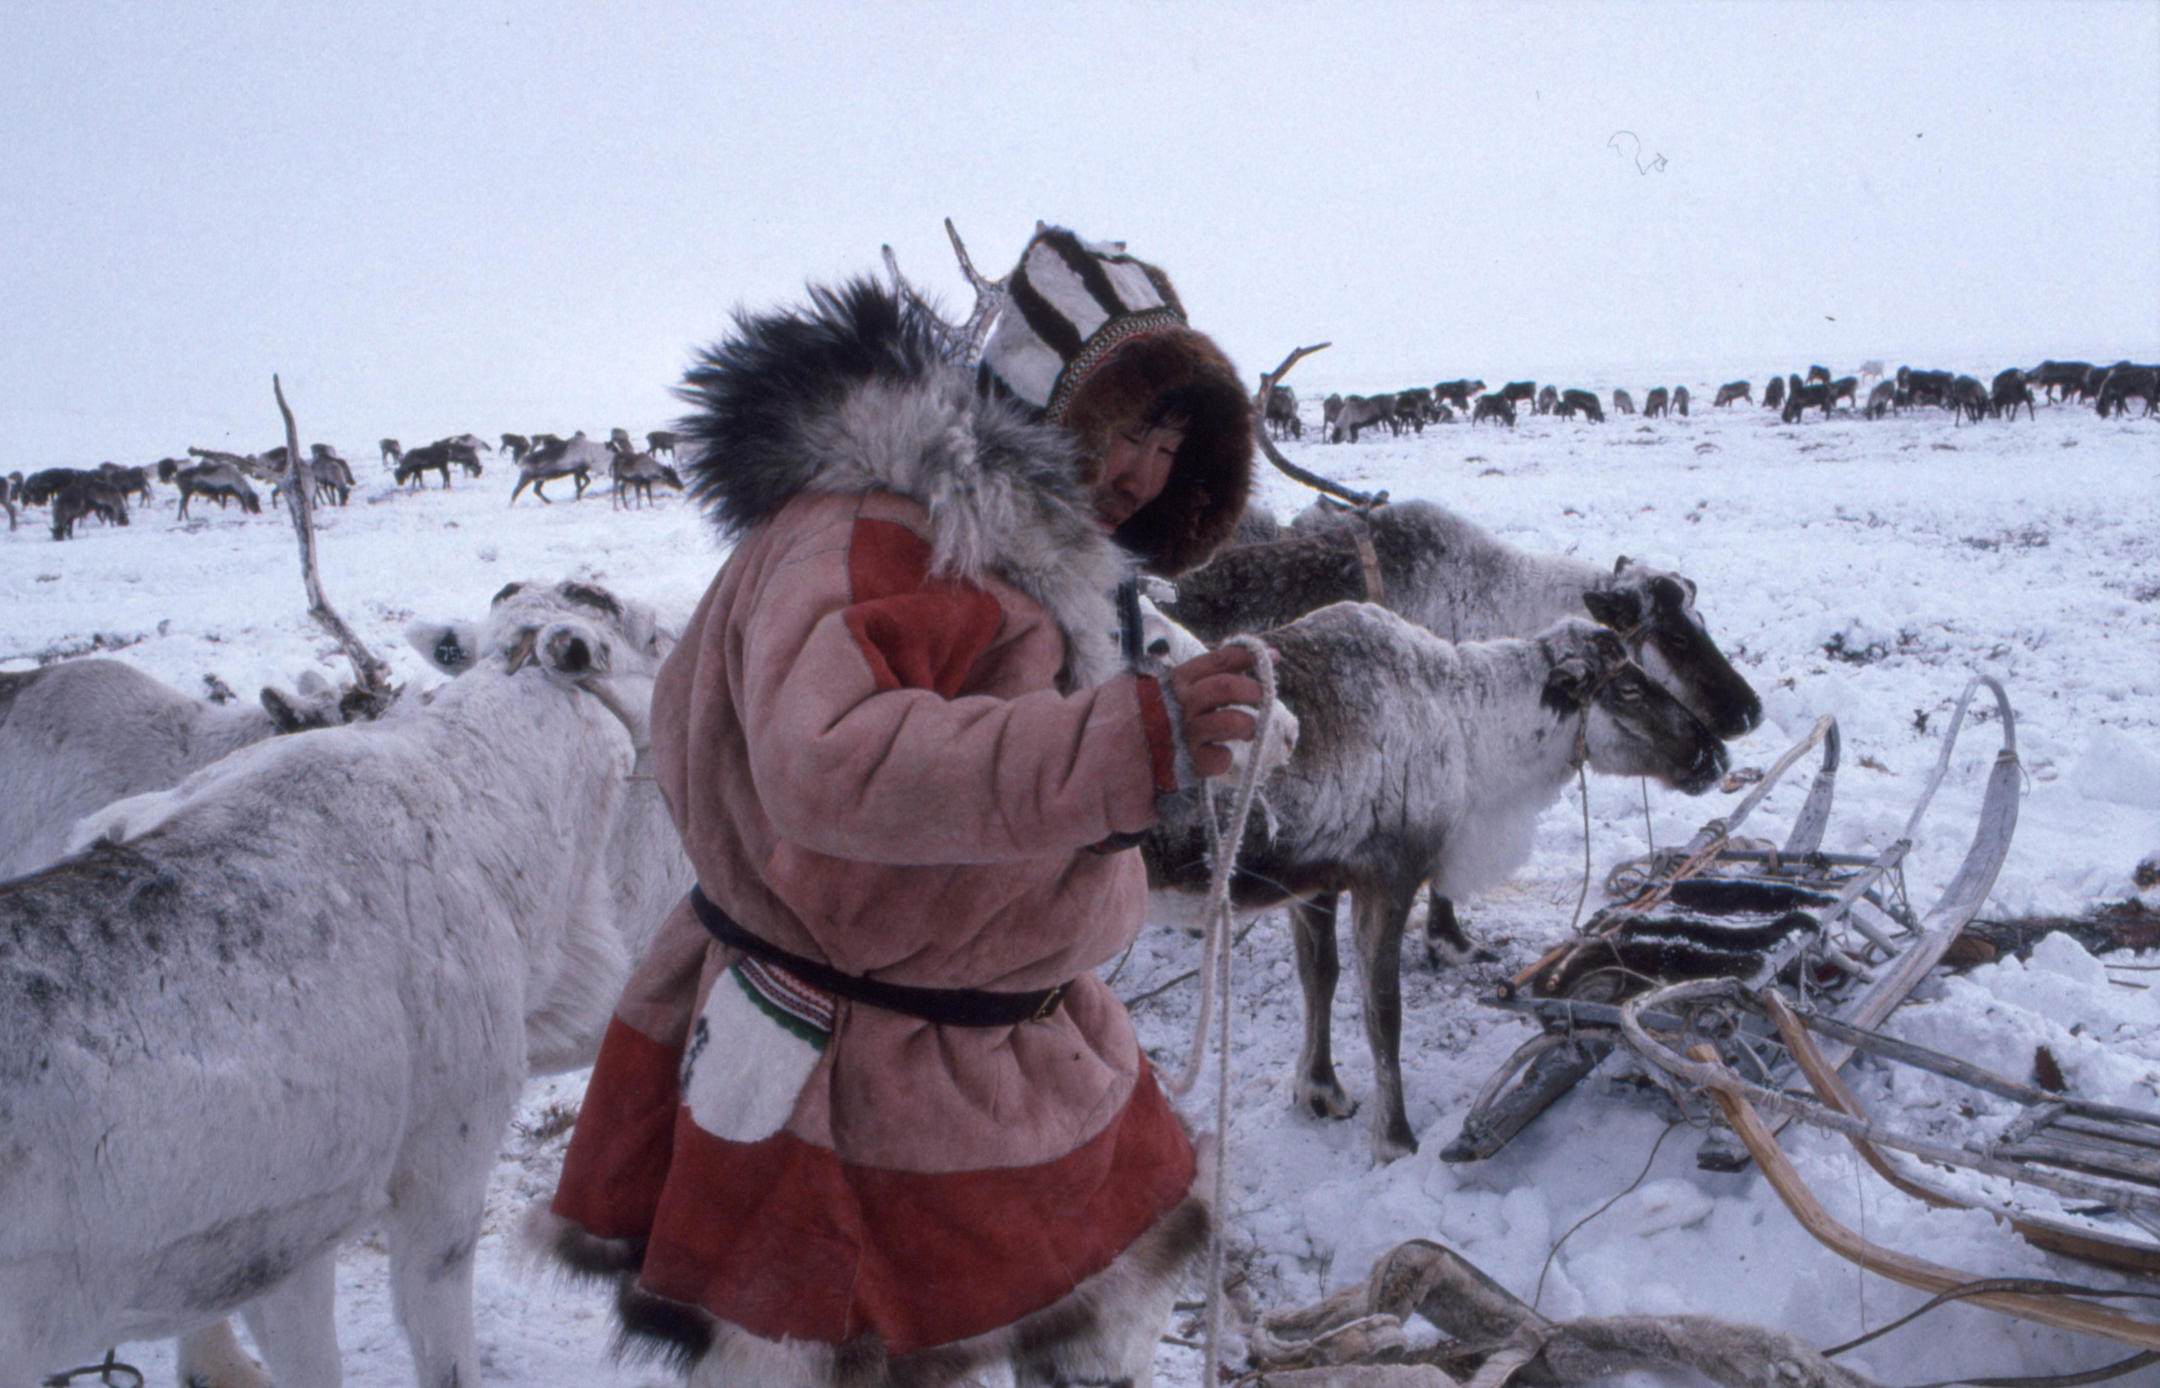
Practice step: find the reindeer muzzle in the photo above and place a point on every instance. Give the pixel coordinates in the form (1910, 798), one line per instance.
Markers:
(575, 651)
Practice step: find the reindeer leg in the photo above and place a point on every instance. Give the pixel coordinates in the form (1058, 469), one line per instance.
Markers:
(1378, 915)
(436, 1197)
(1312, 924)
(212, 1358)
(295, 1325)
(1446, 942)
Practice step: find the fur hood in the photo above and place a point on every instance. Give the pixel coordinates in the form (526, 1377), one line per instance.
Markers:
(854, 393)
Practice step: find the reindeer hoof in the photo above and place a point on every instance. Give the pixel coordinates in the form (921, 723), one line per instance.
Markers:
(1388, 1146)
(1441, 956)
(1325, 1101)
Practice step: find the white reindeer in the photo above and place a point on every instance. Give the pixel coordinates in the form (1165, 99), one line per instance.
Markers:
(297, 995)
(1418, 760)
(76, 736)
(1462, 583)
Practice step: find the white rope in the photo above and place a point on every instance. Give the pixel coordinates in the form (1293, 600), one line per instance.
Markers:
(1582, 784)
(1222, 852)
(1223, 845)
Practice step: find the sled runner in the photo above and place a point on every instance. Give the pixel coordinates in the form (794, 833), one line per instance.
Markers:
(2100, 1163)
(1834, 930)
(2073, 1177)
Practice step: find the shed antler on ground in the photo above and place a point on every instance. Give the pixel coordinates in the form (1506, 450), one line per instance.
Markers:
(1356, 1336)
(372, 693)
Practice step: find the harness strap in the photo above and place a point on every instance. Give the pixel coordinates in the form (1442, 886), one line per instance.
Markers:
(1369, 561)
(945, 1007)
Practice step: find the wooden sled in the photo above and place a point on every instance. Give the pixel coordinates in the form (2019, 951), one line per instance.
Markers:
(2104, 1156)
(1835, 929)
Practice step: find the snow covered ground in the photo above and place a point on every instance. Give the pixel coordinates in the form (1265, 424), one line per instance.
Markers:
(1852, 568)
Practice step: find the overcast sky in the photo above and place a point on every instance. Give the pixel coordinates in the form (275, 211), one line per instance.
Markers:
(526, 216)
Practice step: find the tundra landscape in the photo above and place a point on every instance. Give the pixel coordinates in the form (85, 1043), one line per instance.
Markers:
(1846, 566)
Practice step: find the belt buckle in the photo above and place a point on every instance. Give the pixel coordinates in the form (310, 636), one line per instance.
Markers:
(1050, 1003)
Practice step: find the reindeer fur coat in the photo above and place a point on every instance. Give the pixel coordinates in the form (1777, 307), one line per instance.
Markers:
(897, 740)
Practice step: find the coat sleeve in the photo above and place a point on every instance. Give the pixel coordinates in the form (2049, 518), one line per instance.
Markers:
(863, 744)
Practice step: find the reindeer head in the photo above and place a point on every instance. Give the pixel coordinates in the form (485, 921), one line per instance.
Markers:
(577, 634)
(1653, 610)
(1630, 725)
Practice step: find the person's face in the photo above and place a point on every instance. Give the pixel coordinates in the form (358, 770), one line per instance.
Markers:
(1134, 473)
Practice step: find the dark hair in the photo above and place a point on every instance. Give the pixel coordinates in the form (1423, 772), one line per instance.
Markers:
(1172, 377)
(1145, 384)
(1173, 409)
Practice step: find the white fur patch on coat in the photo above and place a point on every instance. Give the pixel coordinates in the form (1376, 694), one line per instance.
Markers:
(744, 1069)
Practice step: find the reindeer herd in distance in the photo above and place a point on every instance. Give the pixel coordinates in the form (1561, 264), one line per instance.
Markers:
(2110, 389)
(103, 492)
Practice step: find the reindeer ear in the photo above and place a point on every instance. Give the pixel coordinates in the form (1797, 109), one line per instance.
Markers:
(314, 704)
(1618, 608)
(1568, 686)
(1668, 591)
(450, 647)
(281, 711)
(318, 708)
(641, 626)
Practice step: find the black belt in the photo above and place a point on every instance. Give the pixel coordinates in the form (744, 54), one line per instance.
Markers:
(946, 1007)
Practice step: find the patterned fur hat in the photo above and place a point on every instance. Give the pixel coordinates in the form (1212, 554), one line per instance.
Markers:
(1089, 326)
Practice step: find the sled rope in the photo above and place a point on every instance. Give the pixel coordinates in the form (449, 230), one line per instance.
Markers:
(1538, 1294)
(128, 1376)
(1582, 784)
(1215, 978)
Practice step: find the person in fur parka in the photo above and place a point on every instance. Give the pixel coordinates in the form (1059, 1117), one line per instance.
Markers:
(865, 1114)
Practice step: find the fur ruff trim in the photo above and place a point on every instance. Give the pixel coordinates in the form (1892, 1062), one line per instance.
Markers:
(1082, 315)
(711, 1351)
(853, 394)
(1205, 495)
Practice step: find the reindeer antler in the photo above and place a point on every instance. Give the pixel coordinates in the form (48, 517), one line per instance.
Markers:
(906, 290)
(962, 341)
(1269, 381)
(373, 691)
(990, 297)
(959, 342)
(1364, 501)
